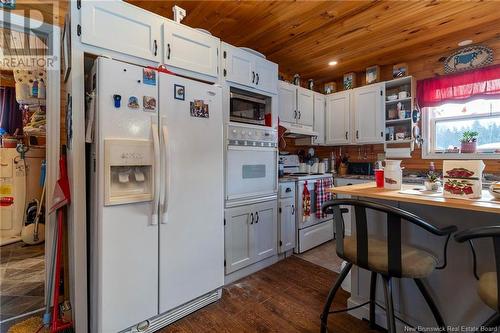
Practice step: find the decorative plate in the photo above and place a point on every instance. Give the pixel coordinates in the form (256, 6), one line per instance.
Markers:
(468, 58)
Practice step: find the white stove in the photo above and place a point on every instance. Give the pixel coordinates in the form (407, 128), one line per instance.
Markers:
(311, 231)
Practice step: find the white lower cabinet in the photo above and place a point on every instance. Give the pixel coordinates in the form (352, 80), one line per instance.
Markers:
(286, 224)
(250, 234)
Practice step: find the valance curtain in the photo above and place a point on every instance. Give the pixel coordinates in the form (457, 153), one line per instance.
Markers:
(484, 82)
(10, 116)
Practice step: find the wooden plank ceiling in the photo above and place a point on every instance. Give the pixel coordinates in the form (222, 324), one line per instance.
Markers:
(303, 36)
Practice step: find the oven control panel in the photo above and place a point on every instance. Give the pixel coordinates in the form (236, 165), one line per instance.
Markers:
(251, 136)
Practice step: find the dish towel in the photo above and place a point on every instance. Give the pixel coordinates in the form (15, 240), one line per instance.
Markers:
(322, 196)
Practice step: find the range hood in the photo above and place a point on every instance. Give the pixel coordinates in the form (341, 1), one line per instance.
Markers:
(298, 131)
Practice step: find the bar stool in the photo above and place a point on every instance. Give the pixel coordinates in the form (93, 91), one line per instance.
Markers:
(387, 257)
(488, 288)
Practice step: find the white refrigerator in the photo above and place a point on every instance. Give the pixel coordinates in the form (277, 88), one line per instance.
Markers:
(157, 237)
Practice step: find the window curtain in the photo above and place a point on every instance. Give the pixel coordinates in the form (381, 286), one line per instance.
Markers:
(11, 118)
(479, 83)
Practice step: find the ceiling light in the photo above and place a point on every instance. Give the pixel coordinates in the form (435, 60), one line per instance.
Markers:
(332, 63)
(465, 42)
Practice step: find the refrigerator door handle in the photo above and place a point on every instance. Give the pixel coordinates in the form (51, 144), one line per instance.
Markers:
(166, 183)
(156, 172)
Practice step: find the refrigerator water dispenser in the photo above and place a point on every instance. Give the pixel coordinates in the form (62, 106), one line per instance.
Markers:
(129, 171)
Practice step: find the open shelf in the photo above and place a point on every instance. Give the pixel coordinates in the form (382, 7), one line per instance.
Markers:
(407, 99)
(395, 121)
(399, 141)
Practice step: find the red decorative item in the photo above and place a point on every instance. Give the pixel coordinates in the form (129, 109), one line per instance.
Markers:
(379, 177)
(306, 202)
(484, 82)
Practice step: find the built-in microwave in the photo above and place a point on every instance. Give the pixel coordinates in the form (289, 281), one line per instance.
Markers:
(250, 108)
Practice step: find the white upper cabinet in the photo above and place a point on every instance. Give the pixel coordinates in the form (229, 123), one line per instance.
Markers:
(190, 49)
(121, 27)
(296, 104)
(319, 118)
(247, 69)
(266, 75)
(337, 114)
(305, 106)
(287, 102)
(368, 106)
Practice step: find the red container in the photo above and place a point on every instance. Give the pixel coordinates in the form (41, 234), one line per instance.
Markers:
(379, 177)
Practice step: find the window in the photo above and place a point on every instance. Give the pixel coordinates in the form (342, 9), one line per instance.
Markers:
(445, 125)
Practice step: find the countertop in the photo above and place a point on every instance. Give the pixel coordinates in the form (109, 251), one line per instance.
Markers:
(369, 190)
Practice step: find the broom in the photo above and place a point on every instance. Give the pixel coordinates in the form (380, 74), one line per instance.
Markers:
(61, 198)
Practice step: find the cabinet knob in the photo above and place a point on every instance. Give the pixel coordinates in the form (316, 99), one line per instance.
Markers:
(251, 218)
(168, 51)
(155, 47)
(253, 77)
(293, 209)
(288, 190)
(257, 81)
(257, 217)
(357, 134)
(346, 135)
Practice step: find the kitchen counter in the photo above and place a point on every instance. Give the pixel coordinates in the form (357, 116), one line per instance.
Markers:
(485, 204)
(453, 288)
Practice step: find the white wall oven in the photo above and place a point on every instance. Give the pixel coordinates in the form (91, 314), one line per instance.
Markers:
(249, 108)
(251, 169)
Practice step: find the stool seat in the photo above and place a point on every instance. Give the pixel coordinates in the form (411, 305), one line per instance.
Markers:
(488, 289)
(416, 263)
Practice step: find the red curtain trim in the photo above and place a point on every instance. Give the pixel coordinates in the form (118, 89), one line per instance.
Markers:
(483, 82)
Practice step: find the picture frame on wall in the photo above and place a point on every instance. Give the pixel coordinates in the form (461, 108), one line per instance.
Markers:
(349, 80)
(399, 70)
(66, 47)
(372, 74)
(330, 87)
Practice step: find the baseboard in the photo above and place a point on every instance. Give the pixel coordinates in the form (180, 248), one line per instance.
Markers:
(157, 323)
(241, 273)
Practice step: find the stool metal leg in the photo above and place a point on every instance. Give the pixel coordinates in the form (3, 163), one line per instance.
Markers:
(493, 321)
(389, 310)
(373, 290)
(430, 302)
(331, 295)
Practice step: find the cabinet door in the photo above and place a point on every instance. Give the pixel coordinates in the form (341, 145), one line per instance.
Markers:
(190, 49)
(266, 230)
(239, 250)
(368, 114)
(287, 224)
(134, 31)
(266, 75)
(287, 102)
(337, 117)
(305, 106)
(319, 118)
(239, 65)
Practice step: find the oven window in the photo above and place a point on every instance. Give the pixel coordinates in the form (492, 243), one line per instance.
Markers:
(254, 171)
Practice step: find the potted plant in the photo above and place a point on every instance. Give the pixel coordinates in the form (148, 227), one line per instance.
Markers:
(432, 183)
(469, 142)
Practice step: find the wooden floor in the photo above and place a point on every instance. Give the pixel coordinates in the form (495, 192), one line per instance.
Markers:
(286, 297)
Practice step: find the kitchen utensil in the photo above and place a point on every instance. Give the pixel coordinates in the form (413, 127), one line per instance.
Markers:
(403, 94)
(315, 167)
(321, 167)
